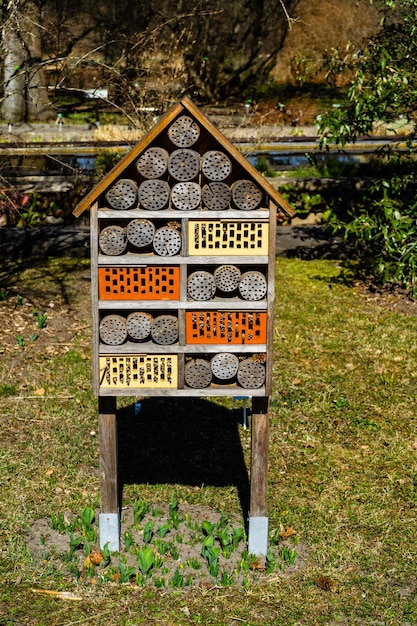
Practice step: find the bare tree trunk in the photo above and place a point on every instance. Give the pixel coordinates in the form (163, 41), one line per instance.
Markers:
(25, 93)
(38, 104)
(13, 106)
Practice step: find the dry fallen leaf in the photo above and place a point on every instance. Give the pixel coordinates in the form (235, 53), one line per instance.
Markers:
(96, 557)
(257, 566)
(205, 585)
(39, 392)
(286, 532)
(49, 472)
(326, 583)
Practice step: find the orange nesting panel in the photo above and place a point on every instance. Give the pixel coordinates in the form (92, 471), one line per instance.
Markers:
(227, 238)
(139, 283)
(225, 327)
(142, 371)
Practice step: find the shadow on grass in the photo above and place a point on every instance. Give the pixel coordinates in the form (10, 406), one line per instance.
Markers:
(44, 277)
(38, 242)
(311, 242)
(182, 441)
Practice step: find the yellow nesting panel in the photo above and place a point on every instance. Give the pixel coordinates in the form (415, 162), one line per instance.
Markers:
(208, 238)
(142, 371)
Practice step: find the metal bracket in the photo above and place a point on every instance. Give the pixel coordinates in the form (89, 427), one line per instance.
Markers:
(258, 536)
(109, 525)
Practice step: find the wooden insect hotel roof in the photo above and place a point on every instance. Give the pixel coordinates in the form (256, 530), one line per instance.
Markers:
(157, 136)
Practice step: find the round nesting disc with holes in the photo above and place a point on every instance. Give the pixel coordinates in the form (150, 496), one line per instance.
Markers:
(227, 278)
(165, 329)
(216, 196)
(140, 232)
(186, 196)
(167, 241)
(246, 195)
(112, 240)
(253, 286)
(113, 330)
(184, 132)
(216, 165)
(224, 365)
(139, 324)
(153, 163)
(201, 285)
(184, 164)
(123, 194)
(251, 374)
(197, 373)
(154, 194)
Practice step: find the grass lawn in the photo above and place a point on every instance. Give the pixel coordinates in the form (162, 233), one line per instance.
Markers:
(343, 458)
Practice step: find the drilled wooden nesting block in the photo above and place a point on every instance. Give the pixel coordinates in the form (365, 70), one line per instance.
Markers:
(251, 374)
(113, 330)
(216, 196)
(167, 241)
(164, 329)
(227, 278)
(141, 372)
(139, 324)
(139, 283)
(184, 164)
(253, 286)
(225, 327)
(186, 196)
(201, 285)
(228, 238)
(197, 373)
(246, 195)
(154, 195)
(153, 163)
(140, 233)
(123, 194)
(113, 240)
(216, 165)
(224, 365)
(184, 132)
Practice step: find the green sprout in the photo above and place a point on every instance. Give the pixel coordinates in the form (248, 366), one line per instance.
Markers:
(174, 515)
(40, 318)
(140, 508)
(148, 532)
(146, 560)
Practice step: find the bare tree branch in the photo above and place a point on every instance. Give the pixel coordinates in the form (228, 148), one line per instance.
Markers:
(290, 20)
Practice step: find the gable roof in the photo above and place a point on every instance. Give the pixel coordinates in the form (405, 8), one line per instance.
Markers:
(184, 105)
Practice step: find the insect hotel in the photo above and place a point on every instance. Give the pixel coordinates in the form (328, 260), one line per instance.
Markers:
(183, 250)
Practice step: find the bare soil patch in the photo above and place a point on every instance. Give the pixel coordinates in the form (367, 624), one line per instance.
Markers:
(179, 551)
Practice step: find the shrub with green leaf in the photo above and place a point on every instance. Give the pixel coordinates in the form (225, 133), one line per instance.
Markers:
(381, 227)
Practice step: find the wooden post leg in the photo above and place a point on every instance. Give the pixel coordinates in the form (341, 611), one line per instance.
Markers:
(258, 514)
(109, 516)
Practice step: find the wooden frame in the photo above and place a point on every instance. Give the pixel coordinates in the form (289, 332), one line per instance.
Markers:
(117, 362)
